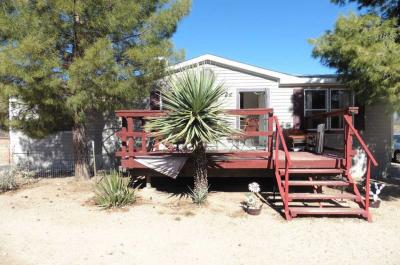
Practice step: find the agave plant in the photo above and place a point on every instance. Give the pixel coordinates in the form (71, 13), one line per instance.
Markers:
(113, 191)
(194, 117)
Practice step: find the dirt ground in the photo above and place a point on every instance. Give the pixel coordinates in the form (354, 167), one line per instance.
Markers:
(54, 222)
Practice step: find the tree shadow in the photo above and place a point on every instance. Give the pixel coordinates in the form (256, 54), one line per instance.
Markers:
(391, 191)
(180, 187)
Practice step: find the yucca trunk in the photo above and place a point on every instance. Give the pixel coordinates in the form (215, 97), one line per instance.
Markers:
(200, 167)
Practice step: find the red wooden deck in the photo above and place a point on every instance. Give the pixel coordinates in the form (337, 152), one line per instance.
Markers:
(248, 160)
(273, 159)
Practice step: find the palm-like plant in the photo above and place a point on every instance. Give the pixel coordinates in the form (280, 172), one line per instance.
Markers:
(194, 117)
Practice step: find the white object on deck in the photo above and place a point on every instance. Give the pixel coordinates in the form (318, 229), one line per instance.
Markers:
(320, 138)
(167, 165)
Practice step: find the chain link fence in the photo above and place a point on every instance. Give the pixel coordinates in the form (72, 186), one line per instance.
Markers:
(62, 167)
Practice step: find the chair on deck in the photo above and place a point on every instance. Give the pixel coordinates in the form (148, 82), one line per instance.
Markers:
(298, 139)
(251, 124)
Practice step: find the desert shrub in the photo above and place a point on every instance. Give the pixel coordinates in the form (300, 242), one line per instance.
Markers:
(199, 196)
(113, 191)
(24, 170)
(7, 180)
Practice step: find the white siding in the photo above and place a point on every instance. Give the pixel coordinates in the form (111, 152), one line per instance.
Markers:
(56, 151)
(280, 99)
(281, 102)
(52, 151)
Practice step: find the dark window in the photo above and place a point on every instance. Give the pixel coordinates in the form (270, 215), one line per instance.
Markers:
(325, 100)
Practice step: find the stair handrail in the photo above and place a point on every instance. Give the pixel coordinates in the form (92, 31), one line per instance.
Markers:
(350, 130)
(361, 141)
(280, 138)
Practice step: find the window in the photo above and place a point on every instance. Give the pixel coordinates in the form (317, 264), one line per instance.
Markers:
(325, 100)
(339, 99)
(315, 101)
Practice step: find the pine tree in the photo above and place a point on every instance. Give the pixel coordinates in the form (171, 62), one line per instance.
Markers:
(365, 51)
(387, 9)
(62, 60)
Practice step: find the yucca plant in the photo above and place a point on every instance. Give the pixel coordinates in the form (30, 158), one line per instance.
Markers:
(113, 191)
(194, 117)
(198, 196)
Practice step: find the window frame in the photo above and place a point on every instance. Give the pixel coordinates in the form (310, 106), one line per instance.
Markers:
(328, 108)
(322, 110)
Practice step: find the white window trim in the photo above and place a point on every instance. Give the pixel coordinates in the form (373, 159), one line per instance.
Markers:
(240, 90)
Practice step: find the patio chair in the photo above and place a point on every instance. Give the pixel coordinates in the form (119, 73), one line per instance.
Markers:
(298, 139)
(251, 124)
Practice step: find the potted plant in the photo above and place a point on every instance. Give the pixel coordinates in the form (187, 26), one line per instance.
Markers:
(253, 205)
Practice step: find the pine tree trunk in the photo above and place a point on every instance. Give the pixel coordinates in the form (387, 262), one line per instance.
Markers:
(81, 159)
(200, 177)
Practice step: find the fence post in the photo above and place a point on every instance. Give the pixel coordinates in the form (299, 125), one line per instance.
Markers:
(94, 159)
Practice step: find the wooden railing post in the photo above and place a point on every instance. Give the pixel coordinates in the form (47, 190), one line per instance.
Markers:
(130, 140)
(349, 141)
(276, 150)
(287, 186)
(367, 185)
(271, 131)
(270, 143)
(144, 144)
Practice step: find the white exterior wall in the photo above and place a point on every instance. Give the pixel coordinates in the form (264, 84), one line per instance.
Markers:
(280, 99)
(281, 102)
(56, 151)
(51, 151)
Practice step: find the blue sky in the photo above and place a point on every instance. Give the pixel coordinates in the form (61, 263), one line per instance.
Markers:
(267, 33)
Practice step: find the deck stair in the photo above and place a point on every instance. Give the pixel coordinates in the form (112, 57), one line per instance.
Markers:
(317, 187)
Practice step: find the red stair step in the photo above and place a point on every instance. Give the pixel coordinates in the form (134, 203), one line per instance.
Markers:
(336, 183)
(312, 171)
(326, 211)
(320, 196)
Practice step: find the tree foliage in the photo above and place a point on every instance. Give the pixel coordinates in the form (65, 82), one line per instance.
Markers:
(365, 50)
(384, 8)
(62, 60)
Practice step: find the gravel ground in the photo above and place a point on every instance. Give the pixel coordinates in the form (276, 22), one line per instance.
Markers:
(54, 222)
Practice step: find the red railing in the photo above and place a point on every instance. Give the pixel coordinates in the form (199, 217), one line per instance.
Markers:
(133, 122)
(349, 153)
(280, 141)
(350, 131)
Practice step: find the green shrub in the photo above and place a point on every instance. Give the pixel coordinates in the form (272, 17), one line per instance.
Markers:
(113, 191)
(7, 180)
(199, 196)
